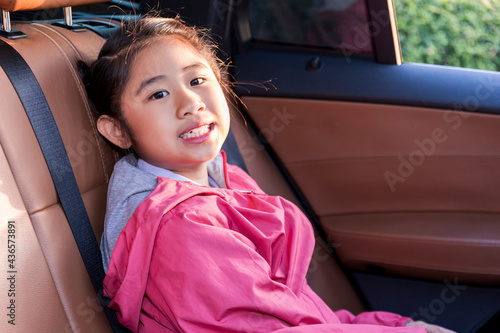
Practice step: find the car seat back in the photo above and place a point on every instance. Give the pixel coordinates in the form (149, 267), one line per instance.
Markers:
(49, 289)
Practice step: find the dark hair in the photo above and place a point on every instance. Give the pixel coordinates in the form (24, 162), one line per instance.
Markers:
(106, 78)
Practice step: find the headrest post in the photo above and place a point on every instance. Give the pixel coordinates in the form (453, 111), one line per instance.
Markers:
(6, 21)
(68, 21)
(7, 30)
(68, 16)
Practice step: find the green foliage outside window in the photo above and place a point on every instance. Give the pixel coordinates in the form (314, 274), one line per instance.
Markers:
(464, 33)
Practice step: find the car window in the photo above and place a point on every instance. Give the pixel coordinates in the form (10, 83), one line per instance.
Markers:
(460, 33)
(340, 25)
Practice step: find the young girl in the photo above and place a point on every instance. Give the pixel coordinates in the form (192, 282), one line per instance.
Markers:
(191, 244)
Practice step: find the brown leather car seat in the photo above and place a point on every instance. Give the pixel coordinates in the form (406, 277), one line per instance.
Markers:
(50, 289)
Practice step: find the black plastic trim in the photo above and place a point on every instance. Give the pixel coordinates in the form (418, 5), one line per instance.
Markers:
(384, 34)
(13, 34)
(361, 80)
(74, 27)
(102, 28)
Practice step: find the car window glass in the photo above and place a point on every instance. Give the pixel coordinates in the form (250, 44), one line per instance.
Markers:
(333, 24)
(459, 33)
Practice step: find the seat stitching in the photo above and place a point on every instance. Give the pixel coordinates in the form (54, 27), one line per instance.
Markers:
(78, 82)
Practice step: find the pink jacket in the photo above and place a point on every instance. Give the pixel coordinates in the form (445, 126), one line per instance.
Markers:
(200, 259)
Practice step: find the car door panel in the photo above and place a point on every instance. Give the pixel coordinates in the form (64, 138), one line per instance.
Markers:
(340, 155)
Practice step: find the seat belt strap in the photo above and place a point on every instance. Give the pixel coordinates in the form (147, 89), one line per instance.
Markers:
(44, 126)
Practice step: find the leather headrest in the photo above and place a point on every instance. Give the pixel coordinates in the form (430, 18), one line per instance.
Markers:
(16, 5)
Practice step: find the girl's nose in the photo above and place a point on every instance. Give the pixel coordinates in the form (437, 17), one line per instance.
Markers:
(189, 103)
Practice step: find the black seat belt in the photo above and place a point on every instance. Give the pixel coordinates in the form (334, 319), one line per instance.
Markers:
(40, 116)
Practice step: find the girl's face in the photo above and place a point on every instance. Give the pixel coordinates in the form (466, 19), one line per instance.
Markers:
(174, 107)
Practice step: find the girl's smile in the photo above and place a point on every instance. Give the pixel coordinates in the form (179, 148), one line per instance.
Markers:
(197, 133)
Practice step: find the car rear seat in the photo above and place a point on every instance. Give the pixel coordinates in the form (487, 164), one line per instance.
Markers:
(53, 292)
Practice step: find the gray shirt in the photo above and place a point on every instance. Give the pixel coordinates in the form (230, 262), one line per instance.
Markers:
(129, 186)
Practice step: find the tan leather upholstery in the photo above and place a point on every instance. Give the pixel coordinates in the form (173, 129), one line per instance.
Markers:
(428, 245)
(53, 289)
(439, 220)
(16, 5)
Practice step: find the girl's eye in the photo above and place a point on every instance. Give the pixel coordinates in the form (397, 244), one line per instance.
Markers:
(197, 81)
(159, 94)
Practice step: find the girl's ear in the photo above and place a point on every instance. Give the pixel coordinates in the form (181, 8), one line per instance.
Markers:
(111, 129)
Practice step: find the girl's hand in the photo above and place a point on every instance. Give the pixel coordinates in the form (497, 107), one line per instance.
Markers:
(429, 327)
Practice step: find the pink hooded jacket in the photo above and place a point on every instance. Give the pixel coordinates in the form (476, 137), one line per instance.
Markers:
(200, 259)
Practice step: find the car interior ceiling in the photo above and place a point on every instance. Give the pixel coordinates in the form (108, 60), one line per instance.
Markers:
(52, 274)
